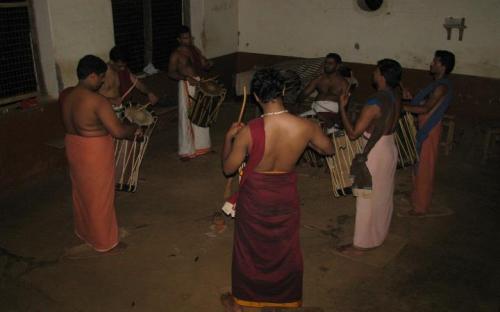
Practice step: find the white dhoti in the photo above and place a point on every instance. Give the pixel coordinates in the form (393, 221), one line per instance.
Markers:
(193, 140)
(374, 213)
(322, 107)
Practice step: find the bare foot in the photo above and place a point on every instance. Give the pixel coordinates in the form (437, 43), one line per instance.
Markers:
(350, 250)
(84, 251)
(229, 303)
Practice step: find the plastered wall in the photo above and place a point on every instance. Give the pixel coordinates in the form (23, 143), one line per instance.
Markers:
(77, 28)
(214, 24)
(406, 30)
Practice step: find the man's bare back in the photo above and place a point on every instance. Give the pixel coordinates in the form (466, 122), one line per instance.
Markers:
(287, 136)
(89, 114)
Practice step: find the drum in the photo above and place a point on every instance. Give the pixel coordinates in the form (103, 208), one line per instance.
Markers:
(130, 153)
(405, 136)
(206, 103)
(340, 163)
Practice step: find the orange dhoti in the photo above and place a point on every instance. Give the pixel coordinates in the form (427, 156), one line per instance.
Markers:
(91, 165)
(423, 178)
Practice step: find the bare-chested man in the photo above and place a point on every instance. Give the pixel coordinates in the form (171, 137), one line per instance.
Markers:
(91, 124)
(119, 81)
(329, 85)
(187, 65)
(267, 259)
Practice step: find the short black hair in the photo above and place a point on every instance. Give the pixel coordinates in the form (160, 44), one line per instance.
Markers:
(117, 54)
(446, 58)
(183, 29)
(267, 84)
(334, 56)
(391, 70)
(90, 64)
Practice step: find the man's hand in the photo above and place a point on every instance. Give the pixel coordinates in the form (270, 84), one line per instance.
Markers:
(153, 99)
(233, 130)
(406, 94)
(192, 81)
(139, 132)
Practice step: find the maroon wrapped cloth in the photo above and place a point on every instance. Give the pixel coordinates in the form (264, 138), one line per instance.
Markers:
(267, 260)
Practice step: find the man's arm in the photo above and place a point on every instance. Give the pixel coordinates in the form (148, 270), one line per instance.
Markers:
(435, 98)
(179, 69)
(144, 89)
(368, 114)
(235, 148)
(111, 123)
(320, 142)
(311, 86)
(207, 64)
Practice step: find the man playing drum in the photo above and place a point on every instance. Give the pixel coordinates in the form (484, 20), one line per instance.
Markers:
(330, 85)
(430, 104)
(119, 81)
(267, 259)
(187, 65)
(375, 167)
(91, 124)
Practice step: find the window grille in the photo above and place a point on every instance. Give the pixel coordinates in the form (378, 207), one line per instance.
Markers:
(128, 25)
(166, 19)
(18, 79)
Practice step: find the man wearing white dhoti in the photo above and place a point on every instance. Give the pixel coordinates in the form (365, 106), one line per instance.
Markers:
(187, 65)
(374, 169)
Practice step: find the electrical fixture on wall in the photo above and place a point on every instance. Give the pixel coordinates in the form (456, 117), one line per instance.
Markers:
(450, 23)
(370, 5)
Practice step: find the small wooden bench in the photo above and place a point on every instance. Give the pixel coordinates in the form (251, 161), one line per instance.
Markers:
(491, 138)
(448, 133)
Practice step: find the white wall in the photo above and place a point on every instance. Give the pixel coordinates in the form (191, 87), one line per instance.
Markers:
(77, 28)
(406, 30)
(214, 24)
(46, 46)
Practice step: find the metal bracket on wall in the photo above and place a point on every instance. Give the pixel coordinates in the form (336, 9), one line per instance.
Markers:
(458, 23)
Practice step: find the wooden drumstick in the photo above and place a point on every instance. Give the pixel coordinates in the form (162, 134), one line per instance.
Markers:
(227, 189)
(129, 90)
(144, 106)
(210, 79)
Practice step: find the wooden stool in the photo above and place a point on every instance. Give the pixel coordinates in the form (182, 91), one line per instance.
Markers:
(491, 138)
(448, 133)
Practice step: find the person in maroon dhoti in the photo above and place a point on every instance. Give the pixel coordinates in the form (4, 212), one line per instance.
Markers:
(267, 263)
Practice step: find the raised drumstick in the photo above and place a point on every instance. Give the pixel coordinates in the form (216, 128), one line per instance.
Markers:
(227, 189)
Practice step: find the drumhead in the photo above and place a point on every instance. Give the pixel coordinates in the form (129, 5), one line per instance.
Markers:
(210, 87)
(138, 116)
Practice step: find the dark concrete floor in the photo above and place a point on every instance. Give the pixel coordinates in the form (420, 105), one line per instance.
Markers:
(175, 262)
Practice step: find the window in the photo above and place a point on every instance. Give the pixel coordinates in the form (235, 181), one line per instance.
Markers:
(140, 25)
(18, 76)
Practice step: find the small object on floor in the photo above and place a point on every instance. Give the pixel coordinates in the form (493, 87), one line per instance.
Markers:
(218, 222)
